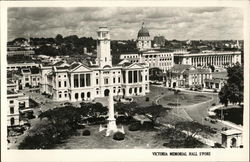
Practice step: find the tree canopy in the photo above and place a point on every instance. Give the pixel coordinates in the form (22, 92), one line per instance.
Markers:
(233, 90)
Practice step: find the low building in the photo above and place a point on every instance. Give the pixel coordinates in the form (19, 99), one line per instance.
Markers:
(232, 138)
(16, 101)
(30, 77)
(217, 81)
(187, 76)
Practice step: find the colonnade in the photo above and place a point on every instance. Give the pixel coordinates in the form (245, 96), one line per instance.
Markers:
(217, 60)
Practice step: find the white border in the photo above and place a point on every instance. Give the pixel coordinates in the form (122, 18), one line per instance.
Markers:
(122, 154)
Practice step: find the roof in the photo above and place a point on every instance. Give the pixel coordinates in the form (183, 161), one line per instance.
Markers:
(143, 32)
(200, 70)
(34, 70)
(231, 132)
(62, 68)
(179, 68)
(10, 81)
(11, 92)
(74, 65)
(58, 63)
(220, 75)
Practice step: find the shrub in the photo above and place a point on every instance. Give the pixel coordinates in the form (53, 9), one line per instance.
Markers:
(147, 99)
(86, 133)
(213, 104)
(147, 126)
(118, 136)
(134, 127)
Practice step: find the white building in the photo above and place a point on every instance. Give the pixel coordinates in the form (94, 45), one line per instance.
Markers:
(78, 82)
(16, 101)
(220, 58)
(143, 39)
(154, 58)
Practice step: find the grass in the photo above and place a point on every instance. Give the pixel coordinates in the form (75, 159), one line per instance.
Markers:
(98, 140)
(183, 99)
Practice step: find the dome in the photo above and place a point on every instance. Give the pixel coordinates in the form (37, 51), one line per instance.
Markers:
(143, 32)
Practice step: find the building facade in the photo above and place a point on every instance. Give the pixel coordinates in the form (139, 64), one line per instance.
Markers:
(220, 59)
(143, 39)
(16, 101)
(80, 82)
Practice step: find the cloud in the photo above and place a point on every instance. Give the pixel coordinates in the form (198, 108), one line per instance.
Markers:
(124, 23)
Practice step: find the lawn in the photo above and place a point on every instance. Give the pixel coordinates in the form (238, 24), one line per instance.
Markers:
(182, 99)
(133, 140)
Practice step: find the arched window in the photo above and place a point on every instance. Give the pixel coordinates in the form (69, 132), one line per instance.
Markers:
(130, 90)
(76, 96)
(12, 121)
(82, 95)
(88, 94)
(135, 90)
(140, 89)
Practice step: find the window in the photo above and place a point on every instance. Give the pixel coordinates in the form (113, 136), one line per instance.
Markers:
(65, 76)
(96, 73)
(82, 80)
(59, 76)
(130, 90)
(140, 89)
(65, 83)
(114, 80)
(11, 101)
(88, 94)
(65, 95)
(76, 96)
(26, 79)
(88, 80)
(146, 77)
(34, 79)
(76, 82)
(96, 81)
(37, 79)
(106, 81)
(59, 84)
(11, 110)
(130, 77)
(119, 79)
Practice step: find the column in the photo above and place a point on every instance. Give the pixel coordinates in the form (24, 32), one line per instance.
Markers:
(133, 76)
(72, 81)
(126, 77)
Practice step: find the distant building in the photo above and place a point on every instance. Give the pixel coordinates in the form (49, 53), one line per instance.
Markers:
(216, 58)
(16, 101)
(187, 76)
(143, 39)
(30, 77)
(162, 59)
(218, 80)
(17, 66)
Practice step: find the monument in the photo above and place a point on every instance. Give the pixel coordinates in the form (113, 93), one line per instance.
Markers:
(111, 126)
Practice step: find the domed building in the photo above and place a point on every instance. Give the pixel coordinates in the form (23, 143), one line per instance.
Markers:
(143, 39)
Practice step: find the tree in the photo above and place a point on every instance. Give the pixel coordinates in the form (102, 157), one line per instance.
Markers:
(152, 112)
(233, 89)
(59, 39)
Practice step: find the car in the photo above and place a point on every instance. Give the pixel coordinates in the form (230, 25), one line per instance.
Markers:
(213, 121)
(207, 118)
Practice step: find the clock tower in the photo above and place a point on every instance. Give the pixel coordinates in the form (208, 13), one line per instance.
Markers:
(103, 47)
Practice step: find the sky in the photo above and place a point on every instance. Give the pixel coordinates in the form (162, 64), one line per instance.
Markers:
(205, 23)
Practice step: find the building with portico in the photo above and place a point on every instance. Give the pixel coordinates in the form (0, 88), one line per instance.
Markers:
(80, 82)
